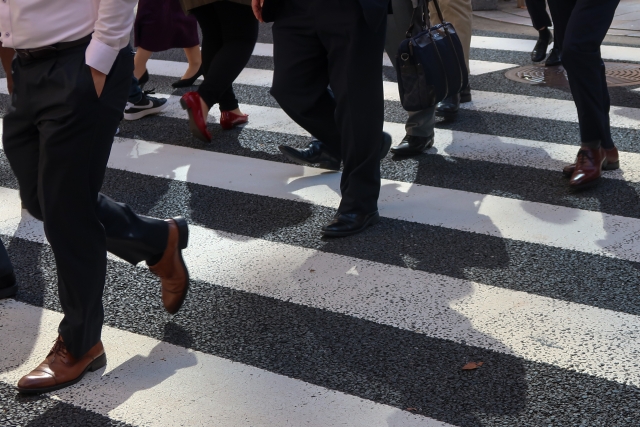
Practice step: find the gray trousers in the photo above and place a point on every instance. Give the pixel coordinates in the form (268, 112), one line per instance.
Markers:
(420, 123)
(458, 12)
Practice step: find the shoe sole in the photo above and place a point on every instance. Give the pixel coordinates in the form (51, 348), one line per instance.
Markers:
(98, 363)
(192, 124)
(413, 153)
(147, 112)
(9, 292)
(372, 221)
(293, 158)
(183, 242)
(447, 115)
(605, 167)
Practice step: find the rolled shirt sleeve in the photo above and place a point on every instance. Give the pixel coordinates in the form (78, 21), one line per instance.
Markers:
(111, 33)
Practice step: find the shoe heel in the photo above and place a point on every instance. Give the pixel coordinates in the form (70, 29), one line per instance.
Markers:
(183, 232)
(609, 166)
(98, 363)
(183, 104)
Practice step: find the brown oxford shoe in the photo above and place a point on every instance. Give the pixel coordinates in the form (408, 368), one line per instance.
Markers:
(60, 369)
(612, 162)
(171, 268)
(588, 168)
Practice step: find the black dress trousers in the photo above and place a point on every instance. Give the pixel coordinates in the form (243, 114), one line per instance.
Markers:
(321, 43)
(57, 138)
(584, 24)
(5, 262)
(538, 12)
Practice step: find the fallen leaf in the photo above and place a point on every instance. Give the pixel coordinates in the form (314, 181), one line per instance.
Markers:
(472, 365)
(312, 270)
(411, 409)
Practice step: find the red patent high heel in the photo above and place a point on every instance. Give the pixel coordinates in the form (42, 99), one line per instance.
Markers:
(190, 101)
(229, 120)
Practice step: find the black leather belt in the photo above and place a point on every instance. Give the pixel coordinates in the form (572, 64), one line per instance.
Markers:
(50, 51)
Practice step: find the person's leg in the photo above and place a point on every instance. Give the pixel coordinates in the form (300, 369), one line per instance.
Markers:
(460, 14)
(355, 72)
(300, 78)
(538, 12)
(586, 29)
(560, 13)
(8, 287)
(239, 31)
(420, 126)
(194, 58)
(140, 61)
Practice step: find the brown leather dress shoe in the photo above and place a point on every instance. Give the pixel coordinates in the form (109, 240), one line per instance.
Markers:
(611, 163)
(171, 268)
(60, 369)
(588, 168)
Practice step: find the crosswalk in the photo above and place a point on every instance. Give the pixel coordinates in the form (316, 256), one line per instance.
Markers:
(482, 255)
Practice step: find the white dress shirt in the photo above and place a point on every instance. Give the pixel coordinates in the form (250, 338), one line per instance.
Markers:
(27, 24)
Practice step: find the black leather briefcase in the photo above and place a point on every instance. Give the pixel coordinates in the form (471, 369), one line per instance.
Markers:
(431, 63)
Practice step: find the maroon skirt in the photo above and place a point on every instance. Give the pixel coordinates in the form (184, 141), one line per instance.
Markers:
(162, 25)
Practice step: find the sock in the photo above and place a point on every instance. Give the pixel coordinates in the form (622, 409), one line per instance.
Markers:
(591, 144)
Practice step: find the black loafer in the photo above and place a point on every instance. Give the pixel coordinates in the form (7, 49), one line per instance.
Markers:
(465, 95)
(555, 58)
(539, 51)
(412, 145)
(347, 224)
(448, 107)
(314, 154)
(8, 287)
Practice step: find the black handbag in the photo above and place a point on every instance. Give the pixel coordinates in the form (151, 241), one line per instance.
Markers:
(430, 64)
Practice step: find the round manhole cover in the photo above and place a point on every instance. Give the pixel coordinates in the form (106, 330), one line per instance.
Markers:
(618, 74)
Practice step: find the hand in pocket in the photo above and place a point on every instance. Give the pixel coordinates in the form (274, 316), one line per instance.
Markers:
(99, 80)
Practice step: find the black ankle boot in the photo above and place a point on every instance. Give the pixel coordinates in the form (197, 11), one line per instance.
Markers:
(540, 50)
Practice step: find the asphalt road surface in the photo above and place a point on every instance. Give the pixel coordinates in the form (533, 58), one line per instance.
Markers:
(483, 255)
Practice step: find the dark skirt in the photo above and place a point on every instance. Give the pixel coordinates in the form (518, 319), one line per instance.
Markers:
(162, 25)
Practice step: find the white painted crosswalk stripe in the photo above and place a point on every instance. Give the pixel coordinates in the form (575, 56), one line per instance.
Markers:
(617, 53)
(501, 320)
(143, 374)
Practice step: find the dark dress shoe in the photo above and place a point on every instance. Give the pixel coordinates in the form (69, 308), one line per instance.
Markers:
(540, 49)
(190, 101)
(229, 120)
(171, 268)
(144, 79)
(448, 107)
(187, 82)
(412, 145)
(60, 369)
(588, 168)
(555, 58)
(612, 162)
(347, 224)
(465, 95)
(314, 154)
(8, 287)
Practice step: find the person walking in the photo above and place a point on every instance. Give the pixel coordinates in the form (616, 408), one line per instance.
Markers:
(309, 55)
(229, 34)
(72, 76)
(586, 23)
(420, 125)
(162, 25)
(541, 22)
(460, 14)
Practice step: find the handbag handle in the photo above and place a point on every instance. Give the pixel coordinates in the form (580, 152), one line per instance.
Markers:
(424, 20)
